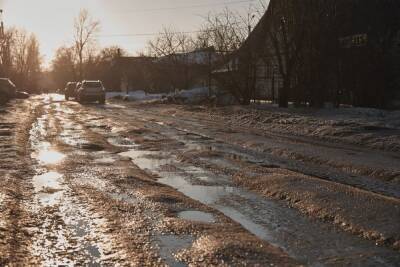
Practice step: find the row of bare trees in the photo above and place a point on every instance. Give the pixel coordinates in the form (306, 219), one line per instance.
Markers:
(20, 58)
(221, 34)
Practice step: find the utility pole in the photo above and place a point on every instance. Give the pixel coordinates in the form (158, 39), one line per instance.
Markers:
(2, 25)
(2, 40)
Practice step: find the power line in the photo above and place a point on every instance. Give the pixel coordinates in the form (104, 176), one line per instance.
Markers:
(143, 34)
(191, 6)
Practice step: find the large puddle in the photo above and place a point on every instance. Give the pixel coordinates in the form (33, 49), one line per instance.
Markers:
(46, 155)
(305, 239)
(169, 245)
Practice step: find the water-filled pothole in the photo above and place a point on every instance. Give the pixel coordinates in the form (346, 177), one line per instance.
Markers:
(47, 155)
(48, 187)
(147, 160)
(197, 216)
(171, 244)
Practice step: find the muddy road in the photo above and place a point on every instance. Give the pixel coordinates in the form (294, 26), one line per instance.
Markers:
(133, 184)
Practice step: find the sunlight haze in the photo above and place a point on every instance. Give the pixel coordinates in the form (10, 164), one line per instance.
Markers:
(52, 21)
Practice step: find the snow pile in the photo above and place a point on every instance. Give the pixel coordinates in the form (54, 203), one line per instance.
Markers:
(202, 95)
(195, 95)
(135, 96)
(373, 128)
(143, 96)
(110, 95)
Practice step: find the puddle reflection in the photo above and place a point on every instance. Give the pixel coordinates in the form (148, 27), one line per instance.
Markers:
(170, 245)
(47, 155)
(48, 187)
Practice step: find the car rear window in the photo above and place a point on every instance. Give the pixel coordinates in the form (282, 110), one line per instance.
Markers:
(92, 84)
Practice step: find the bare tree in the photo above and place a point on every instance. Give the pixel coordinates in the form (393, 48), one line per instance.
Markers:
(85, 28)
(26, 58)
(226, 32)
(6, 52)
(171, 48)
(286, 34)
(170, 42)
(63, 67)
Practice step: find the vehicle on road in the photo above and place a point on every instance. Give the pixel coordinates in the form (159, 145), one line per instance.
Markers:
(7, 90)
(21, 95)
(70, 90)
(91, 91)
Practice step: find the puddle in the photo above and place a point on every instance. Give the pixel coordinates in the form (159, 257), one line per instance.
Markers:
(81, 228)
(205, 194)
(304, 239)
(197, 216)
(171, 244)
(94, 255)
(50, 179)
(47, 155)
(92, 251)
(48, 187)
(147, 160)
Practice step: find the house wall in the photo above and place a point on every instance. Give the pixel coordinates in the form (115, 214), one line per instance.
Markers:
(268, 81)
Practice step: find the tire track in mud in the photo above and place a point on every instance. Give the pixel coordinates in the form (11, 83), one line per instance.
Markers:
(361, 175)
(65, 228)
(16, 223)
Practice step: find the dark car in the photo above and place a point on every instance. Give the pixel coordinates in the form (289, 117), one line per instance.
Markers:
(70, 90)
(7, 90)
(90, 91)
(21, 95)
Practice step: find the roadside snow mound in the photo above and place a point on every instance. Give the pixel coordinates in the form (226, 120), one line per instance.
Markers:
(195, 95)
(135, 96)
(373, 128)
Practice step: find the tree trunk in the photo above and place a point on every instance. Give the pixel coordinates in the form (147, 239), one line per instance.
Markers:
(283, 94)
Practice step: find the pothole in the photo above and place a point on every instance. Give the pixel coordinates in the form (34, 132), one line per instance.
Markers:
(197, 216)
(170, 245)
(48, 187)
(46, 155)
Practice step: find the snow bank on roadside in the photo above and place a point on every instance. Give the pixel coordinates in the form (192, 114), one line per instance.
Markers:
(135, 96)
(373, 128)
(189, 96)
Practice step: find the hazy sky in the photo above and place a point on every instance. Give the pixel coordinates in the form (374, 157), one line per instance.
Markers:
(52, 20)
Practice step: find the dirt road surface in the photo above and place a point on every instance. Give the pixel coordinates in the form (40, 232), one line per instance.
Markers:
(130, 184)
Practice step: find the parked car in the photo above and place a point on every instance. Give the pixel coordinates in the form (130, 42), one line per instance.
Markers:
(7, 90)
(70, 90)
(21, 95)
(91, 91)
